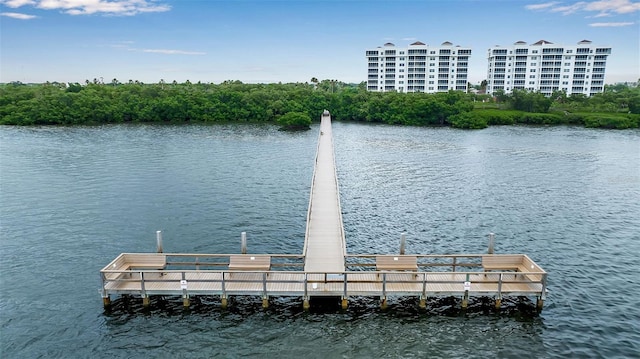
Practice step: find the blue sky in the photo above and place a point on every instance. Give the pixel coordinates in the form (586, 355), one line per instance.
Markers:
(286, 41)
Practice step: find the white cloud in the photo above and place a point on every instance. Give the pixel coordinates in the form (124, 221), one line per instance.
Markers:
(17, 3)
(601, 7)
(541, 6)
(126, 45)
(611, 24)
(170, 52)
(88, 7)
(18, 16)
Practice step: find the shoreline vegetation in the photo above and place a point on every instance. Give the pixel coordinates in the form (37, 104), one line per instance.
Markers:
(233, 101)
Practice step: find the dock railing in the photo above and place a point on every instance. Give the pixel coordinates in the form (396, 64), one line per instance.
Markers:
(206, 274)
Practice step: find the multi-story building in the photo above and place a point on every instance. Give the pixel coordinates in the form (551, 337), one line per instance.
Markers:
(418, 68)
(546, 67)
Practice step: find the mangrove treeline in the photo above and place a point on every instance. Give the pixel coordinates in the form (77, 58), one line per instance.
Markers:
(234, 101)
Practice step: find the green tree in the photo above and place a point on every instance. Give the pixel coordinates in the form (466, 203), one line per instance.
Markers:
(294, 121)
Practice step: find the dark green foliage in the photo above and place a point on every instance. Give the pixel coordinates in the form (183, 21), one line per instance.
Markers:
(116, 102)
(468, 120)
(294, 121)
(95, 103)
(529, 101)
(614, 121)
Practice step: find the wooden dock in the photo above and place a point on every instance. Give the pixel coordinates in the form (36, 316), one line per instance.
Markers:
(324, 269)
(324, 244)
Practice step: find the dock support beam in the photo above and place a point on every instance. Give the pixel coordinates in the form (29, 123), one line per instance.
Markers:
(106, 301)
(344, 303)
(498, 303)
(265, 302)
(306, 304)
(146, 301)
(185, 301)
(540, 303)
(224, 302)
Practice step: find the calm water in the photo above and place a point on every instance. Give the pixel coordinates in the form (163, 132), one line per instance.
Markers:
(74, 198)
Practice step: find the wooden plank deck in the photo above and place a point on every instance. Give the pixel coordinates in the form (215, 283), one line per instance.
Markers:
(324, 247)
(293, 283)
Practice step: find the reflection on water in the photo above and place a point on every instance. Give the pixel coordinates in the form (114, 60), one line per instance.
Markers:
(73, 198)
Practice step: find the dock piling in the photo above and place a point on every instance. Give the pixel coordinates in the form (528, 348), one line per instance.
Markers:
(159, 241)
(499, 297)
(492, 239)
(243, 242)
(344, 303)
(467, 288)
(403, 242)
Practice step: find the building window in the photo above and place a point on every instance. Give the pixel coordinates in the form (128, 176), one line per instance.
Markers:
(532, 70)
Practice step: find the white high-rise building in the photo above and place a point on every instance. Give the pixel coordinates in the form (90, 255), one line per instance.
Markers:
(546, 67)
(417, 68)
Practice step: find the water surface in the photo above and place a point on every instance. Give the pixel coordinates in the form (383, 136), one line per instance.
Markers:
(74, 198)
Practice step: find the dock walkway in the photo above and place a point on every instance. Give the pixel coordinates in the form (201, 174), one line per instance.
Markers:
(324, 269)
(324, 244)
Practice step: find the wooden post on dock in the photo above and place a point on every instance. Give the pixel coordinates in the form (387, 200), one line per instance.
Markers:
(106, 301)
(265, 302)
(243, 242)
(344, 303)
(146, 302)
(403, 242)
(499, 297)
(159, 241)
(224, 302)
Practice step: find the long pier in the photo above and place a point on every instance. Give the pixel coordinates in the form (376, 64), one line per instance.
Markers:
(324, 269)
(324, 244)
